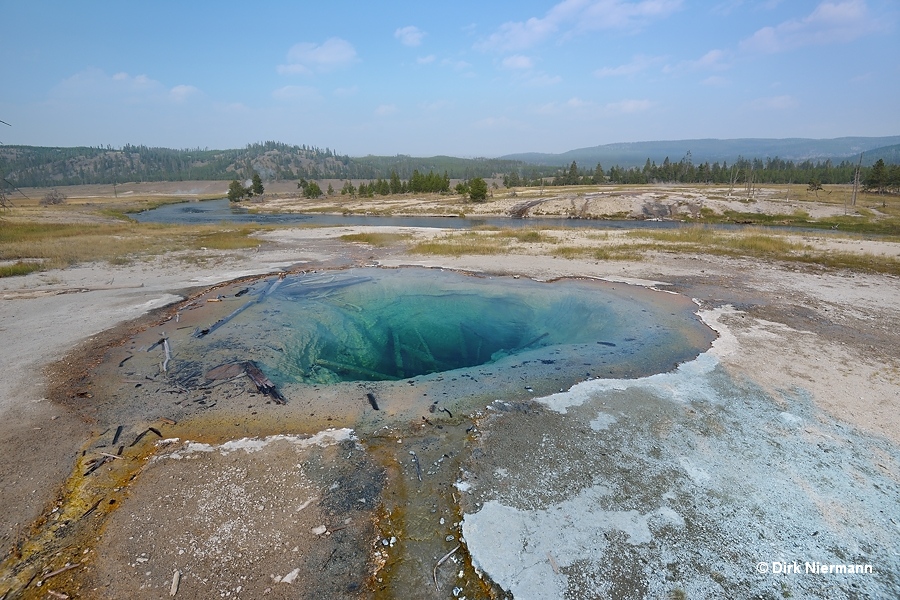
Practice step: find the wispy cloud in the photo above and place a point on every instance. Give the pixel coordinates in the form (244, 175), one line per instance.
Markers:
(774, 103)
(575, 17)
(830, 22)
(409, 35)
(295, 93)
(384, 110)
(307, 58)
(728, 7)
(638, 63)
(456, 65)
(714, 60)
(498, 123)
(517, 61)
(437, 106)
(628, 107)
(715, 81)
(122, 87)
(585, 107)
(541, 80)
(346, 92)
(181, 93)
(426, 60)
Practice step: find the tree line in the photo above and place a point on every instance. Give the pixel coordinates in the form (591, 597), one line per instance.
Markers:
(879, 177)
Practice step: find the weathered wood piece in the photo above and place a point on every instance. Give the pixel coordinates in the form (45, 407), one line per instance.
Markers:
(263, 383)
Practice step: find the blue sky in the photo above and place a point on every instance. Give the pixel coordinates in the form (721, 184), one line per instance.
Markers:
(462, 78)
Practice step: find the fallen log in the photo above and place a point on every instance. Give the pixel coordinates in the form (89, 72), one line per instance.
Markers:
(200, 333)
(263, 383)
(168, 354)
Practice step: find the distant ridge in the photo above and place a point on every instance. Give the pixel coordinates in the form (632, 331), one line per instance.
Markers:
(634, 154)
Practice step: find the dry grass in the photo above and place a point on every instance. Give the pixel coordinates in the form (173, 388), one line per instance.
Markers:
(758, 243)
(463, 244)
(43, 246)
(637, 244)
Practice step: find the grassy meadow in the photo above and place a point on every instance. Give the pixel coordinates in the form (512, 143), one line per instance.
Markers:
(82, 230)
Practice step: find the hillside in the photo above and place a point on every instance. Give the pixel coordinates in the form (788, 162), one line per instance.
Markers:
(32, 166)
(635, 154)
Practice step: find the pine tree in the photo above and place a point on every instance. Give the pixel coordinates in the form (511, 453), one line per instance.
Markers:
(478, 189)
(257, 186)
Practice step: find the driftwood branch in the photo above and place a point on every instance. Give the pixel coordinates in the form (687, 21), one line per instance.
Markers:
(440, 562)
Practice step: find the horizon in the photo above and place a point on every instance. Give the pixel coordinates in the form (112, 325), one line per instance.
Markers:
(336, 153)
(467, 80)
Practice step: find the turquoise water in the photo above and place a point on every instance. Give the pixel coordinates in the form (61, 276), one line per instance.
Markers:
(385, 325)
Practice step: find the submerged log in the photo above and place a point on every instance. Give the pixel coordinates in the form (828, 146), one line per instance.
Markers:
(226, 371)
(200, 333)
(344, 368)
(263, 383)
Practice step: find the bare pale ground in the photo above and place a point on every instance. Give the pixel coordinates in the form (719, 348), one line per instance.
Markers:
(788, 330)
(663, 201)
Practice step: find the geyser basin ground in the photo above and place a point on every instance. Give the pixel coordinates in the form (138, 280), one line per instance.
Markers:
(362, 347)
(752, 475)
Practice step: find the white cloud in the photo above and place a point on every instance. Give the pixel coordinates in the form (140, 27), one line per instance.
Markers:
(498, 123)
(585, 107)
(637, 64)
(517, 61)
(121, 87)
(576, 103)
(774, 103)
(830, 22)
(385, 110)
(456, 65)
(346, 92)
(180, 93)
(410, 35)
(307, 58)
(542, 80)
(715, 81)
(426, 60)
(574, 17)
(628, 107)
(437, 106)
(726, 8)
(714, 60)
(293, 93)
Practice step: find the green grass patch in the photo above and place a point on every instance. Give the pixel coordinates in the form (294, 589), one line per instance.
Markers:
(377, 239)
(19, 268)
(527, 236)
(229, 239)
(464, 244)
(619, 252)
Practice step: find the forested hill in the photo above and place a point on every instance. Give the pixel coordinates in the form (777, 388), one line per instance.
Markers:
(32, 166)
(635, 154)
(829, 161)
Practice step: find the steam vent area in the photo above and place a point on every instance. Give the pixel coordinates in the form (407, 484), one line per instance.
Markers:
(428, 433)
